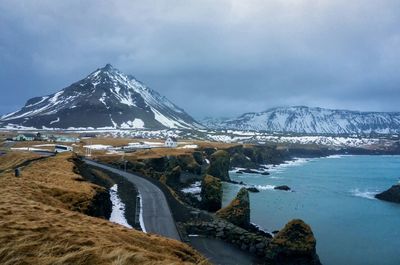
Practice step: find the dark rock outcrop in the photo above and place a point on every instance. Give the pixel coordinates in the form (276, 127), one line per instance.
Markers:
(254, 243)
(101, 205)
(219, 165)
(390, 195)
(211, 193)
(248, 171)
(256, 155)
(173, 176)
(252, 189)
(293, 245)
(238, 211)
(282, 187)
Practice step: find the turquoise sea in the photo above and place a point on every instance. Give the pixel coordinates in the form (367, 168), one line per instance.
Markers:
(335, 195)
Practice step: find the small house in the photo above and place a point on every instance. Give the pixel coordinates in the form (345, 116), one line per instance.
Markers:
(171, 142)
(25, 137)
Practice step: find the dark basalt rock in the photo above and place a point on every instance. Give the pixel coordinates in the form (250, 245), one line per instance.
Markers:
(238, 211)
(294, 244)
(252, 189)
(283, 187)
(219, 165)
(173, 176)
(265, 173)
(211, 193)
(249, 171)
(390, 195)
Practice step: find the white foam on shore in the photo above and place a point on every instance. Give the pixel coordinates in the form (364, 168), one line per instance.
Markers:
(194, 188)
(334, 156)
(262, 187)
(141, 222)
(290, 163)
(364, 194)
(118, 208)
(337, 156)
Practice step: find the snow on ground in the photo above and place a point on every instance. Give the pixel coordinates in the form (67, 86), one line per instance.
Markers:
(189, 146)
(141, 222)
(29, 149)
(55, 121)
(98, 146)
(333, 141)
(118, 208)
(136, 123)
(44, 145)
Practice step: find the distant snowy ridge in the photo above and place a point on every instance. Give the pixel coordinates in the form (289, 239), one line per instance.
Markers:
(306, 120)
(105, 99)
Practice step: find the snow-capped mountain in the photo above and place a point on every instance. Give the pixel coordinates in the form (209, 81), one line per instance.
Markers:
(106, 98)
(306, 120)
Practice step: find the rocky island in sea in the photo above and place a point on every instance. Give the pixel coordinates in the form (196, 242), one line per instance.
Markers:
(391, 195)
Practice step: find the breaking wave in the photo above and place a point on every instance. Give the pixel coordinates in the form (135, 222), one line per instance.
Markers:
(262, 187)
(364, 193)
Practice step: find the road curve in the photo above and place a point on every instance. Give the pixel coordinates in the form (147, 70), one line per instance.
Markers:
(157, 215)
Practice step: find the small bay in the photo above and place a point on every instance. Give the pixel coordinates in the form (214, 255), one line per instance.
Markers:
(335, 195)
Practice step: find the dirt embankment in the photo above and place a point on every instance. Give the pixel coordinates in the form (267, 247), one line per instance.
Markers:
(43, 221)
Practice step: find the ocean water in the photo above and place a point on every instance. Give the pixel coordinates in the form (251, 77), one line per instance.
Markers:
(335, 195)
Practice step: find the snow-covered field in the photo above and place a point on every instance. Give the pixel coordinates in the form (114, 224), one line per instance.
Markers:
(186, 138)
(98, 147)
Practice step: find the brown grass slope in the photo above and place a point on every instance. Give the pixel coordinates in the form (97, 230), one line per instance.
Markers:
(41, 222)
(12, 159)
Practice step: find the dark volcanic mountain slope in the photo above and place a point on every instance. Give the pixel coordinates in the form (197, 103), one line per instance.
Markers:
(307, 120)
(106, 98)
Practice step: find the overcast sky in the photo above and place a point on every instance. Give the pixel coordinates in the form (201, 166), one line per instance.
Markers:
(212, 58)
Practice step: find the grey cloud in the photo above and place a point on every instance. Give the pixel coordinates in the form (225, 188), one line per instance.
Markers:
(213, 58)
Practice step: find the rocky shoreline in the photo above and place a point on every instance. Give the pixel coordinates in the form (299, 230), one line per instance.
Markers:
(194, 214)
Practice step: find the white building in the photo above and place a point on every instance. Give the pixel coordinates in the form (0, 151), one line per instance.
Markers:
(171, 142)
(63, 148)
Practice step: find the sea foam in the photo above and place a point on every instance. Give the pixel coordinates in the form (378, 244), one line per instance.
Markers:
(364, 193)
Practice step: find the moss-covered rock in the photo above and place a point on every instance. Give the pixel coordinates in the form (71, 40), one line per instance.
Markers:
(211, 193)
(238, 211)
(294, 244)
(219, 165)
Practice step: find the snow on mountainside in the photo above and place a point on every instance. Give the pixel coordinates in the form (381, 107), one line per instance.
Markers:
(105, 99)
(305, 120)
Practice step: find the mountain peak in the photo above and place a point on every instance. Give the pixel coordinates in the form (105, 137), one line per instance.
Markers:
(108, 67)
(313, 120)
(107, 98)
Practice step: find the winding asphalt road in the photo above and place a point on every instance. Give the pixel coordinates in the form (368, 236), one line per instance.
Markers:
(157, 215)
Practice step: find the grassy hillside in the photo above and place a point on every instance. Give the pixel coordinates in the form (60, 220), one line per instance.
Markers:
(42, 221)
(9, 160)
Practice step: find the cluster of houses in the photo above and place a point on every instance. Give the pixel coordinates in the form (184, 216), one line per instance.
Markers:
(170, 142)
(45, 137)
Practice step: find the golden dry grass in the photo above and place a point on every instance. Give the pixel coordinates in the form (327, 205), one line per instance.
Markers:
(41, 222)
(143, 154)
(12, 159)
